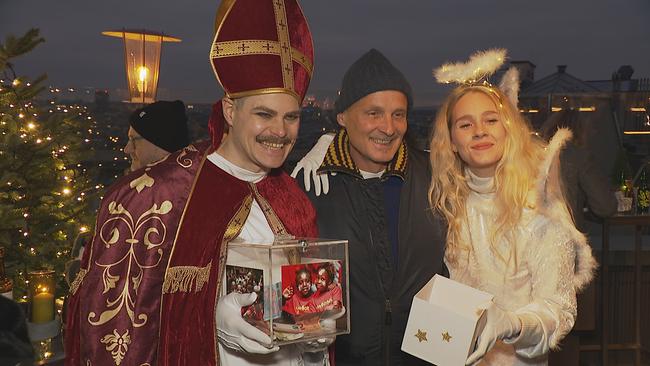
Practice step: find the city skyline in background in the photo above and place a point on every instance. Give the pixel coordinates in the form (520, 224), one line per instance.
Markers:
(594, 38)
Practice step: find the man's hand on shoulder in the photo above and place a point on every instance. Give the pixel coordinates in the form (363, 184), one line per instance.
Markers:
(310, 163)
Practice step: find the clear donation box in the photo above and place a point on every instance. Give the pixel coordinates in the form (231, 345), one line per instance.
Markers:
(301, 286)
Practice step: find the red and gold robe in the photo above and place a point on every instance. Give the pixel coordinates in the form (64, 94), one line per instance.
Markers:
(147, 290)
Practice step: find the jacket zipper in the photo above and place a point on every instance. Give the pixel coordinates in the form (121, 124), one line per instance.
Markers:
(387, 322)
(388, 310)
(388, 313)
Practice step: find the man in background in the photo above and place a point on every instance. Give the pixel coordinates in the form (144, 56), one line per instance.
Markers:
(155, 131)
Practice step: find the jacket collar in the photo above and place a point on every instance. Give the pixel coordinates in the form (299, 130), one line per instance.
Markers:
(338, 159)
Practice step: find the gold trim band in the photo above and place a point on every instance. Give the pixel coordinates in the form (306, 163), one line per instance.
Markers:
(246, 47)
(281, 26)
(181, 278)
(74, 286)
(275, 223)
(233, 229)
(249, 93)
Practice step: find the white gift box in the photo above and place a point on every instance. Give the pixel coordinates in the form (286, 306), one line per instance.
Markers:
(444, 322)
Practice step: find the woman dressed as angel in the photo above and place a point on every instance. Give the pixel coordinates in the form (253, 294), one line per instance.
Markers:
(509, 233)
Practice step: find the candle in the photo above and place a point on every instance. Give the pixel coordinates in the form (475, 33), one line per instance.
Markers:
(42, 286)
(42, 307)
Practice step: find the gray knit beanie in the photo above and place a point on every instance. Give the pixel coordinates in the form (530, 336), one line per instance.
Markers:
(369, 74)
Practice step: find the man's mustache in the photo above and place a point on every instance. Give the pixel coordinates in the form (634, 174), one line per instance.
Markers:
(273, 140)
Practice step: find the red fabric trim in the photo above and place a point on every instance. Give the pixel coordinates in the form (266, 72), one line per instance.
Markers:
(187, 320)
(290, 203)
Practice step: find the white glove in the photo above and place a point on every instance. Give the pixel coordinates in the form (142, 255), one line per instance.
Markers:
(234, 332)
(311, 162)
(500, 325)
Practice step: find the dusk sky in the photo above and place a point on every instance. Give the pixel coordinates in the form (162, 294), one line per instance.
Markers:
(592, 37)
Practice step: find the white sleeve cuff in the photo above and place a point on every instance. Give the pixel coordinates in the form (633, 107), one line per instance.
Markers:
(531, 341)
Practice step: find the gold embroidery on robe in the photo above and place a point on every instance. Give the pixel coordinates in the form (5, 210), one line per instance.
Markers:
(142, 182)
(182, 160)
(130, 268)
(181, 278)
(74, 286)
(117, 345)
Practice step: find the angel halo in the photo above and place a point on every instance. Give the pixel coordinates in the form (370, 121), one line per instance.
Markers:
(480, 66)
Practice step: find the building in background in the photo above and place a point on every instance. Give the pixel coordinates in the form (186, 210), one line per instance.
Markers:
(617, 109)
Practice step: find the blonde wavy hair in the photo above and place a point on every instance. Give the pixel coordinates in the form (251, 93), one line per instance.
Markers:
(514, 177)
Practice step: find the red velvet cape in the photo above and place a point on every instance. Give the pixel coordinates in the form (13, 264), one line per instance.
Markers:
(147, 290)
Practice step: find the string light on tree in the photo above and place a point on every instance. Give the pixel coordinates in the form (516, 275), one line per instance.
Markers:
(37, 213)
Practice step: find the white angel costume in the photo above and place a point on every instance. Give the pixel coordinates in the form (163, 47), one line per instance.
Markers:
(537, 267)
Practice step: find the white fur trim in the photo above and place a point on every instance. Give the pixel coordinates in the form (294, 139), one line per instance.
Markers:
(509, 85)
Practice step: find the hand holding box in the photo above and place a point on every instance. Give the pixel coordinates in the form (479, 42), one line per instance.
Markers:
(446, 318)
(500, 324)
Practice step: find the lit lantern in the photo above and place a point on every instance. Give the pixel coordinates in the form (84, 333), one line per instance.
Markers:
(142, 61)
(42, 285)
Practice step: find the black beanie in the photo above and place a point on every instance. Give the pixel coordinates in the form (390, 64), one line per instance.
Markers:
(369, 74)
(162, 123)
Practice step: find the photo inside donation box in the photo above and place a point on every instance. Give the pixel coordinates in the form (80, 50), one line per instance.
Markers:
(295, 302)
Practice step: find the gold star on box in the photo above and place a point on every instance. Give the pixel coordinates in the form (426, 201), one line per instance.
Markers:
(446, 337)
(421, 336)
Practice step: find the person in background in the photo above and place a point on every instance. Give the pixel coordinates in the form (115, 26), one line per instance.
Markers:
(155, 131)
(15, 346)
(585, 186)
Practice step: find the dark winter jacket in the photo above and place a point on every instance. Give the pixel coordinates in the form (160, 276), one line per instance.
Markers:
(381, 286)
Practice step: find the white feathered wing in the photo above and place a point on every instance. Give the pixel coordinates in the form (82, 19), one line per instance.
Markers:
(551, 203)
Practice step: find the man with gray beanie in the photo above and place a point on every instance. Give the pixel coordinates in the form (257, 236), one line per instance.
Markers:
(155, 131)
(375, 190)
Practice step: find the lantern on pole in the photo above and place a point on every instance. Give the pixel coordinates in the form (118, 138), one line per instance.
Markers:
(142, 49)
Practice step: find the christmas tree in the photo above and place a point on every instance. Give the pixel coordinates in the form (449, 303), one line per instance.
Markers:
(45, 185)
